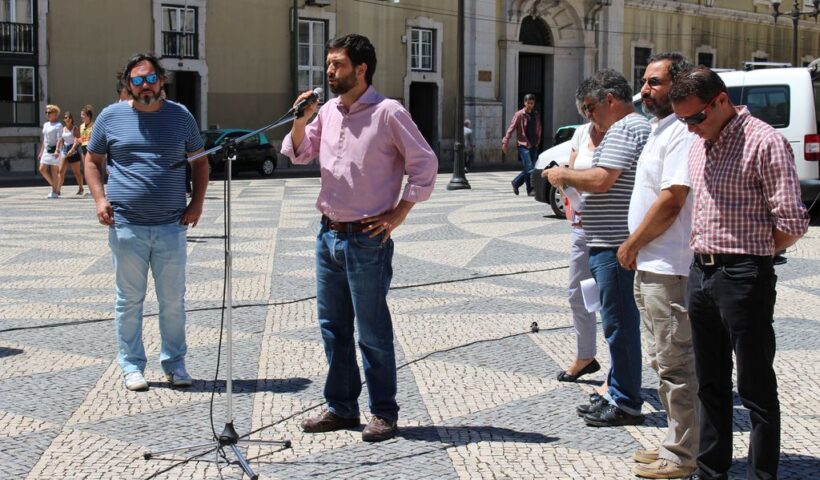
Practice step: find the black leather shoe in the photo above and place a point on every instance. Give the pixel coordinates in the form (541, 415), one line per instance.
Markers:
(515, 188)
(328, 421)
(596, 402)
(379, 429)
(591, 367)
(612, 416)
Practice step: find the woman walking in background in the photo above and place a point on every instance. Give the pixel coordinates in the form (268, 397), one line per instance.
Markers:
(69, 148)
(86, 126)
(49, 159)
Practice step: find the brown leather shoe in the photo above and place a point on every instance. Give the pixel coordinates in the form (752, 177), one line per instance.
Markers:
(328, 421)
(379, 429)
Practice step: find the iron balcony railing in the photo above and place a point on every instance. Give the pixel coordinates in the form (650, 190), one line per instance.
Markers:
(179, 44)
(16, 37)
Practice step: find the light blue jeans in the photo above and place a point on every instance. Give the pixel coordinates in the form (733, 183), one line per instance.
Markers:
(135, 248)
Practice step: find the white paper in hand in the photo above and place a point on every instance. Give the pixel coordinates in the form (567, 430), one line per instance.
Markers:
(592, 297)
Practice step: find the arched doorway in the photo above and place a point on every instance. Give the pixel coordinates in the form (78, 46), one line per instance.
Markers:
(535, 71)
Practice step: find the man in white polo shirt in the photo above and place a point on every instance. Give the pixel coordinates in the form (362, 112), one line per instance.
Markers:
(660, 217)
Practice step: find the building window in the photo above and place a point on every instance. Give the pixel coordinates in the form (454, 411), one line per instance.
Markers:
(640, 61)
(706, 59)
(179, 35)
(17, 101)
(421, 49)
(16, 26)
(312, 39)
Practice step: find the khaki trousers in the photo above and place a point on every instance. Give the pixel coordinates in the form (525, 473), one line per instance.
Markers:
(661, 300)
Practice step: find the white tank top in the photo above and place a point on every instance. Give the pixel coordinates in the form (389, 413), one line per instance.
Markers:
(68, 137)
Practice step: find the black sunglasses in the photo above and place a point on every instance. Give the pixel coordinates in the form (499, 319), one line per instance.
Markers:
(699, 117)
(151, 78)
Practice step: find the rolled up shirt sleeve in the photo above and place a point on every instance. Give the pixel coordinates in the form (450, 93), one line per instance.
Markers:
(306, 151)
(420, 162)
(781, 186)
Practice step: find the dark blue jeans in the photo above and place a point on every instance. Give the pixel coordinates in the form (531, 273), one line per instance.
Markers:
(731, 306)
(353, 274)
(621, 323)
(527, 157)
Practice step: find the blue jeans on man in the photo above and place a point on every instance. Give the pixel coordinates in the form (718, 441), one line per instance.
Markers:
(621, 323)
(527, 156)
(353, 274)
(163, 249)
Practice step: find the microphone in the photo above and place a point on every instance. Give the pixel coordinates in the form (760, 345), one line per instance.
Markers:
(294, 112)
(300, 107)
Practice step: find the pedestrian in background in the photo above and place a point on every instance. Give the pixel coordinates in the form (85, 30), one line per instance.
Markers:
(86, 127)
(747, 207)
(607, 100)
(69, 148)
(660, 223)
(526, 125)
(469, 145)
(49, 157)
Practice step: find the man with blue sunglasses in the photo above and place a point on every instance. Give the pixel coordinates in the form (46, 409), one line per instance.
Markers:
(147, 212)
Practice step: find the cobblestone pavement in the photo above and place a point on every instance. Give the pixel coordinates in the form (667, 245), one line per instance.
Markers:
(470, 267)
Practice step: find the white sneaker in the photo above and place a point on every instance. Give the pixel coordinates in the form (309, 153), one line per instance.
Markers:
(135, 382)
(52, 195)
(179, 378)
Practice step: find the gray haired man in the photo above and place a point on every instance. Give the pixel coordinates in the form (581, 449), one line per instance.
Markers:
(607, 101)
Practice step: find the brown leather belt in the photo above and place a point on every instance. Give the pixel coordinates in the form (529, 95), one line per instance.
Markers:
(342, 227)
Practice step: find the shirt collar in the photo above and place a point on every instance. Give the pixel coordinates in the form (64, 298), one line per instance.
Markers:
(659, 125)
(735, 124)
(369, 97)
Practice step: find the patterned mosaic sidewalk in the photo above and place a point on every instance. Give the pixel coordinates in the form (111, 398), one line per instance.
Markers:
(470, 267)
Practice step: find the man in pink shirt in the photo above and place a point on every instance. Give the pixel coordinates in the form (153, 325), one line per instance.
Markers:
(365, 144)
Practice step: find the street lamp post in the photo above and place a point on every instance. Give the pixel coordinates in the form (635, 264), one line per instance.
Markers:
(459, 181)
(796, 13)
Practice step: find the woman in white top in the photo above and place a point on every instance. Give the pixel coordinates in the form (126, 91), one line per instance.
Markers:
(69, 148)
(583, 142)
(49, 159)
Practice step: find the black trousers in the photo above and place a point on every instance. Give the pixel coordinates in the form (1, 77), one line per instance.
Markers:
(731, 307)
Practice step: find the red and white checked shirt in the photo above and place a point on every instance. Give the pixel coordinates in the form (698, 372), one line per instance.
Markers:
(745, 185)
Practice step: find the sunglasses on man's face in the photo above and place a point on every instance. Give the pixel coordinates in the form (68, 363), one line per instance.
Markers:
(699, 117)
(151, 79)
(588, 108)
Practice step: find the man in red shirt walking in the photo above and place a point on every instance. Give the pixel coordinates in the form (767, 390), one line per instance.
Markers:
(526, 124)
(746, 207)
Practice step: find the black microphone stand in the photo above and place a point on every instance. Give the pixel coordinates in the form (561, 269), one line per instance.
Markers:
(229, 437)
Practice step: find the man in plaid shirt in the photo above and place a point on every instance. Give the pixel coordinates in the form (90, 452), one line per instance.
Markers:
(747, 207)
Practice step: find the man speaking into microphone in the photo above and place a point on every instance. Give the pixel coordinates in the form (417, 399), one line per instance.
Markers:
(365, 144)
(146, 212)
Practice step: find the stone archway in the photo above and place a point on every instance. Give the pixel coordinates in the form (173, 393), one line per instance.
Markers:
(566, 58)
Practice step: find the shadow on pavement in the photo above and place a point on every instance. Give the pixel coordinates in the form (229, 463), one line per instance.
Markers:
(285, 385)
(460, 435)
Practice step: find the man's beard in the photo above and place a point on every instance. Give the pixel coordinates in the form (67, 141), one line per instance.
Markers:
(657, 109)
(343, 84)
(145, 100)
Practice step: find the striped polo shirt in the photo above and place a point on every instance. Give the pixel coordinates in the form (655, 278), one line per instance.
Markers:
(141, 148)
(605, 214)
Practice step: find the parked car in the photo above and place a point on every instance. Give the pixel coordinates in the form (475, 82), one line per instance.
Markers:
(254, 153)
(546, 193)
(786, 98)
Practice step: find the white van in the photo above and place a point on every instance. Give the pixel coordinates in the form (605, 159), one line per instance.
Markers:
(785, 98)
